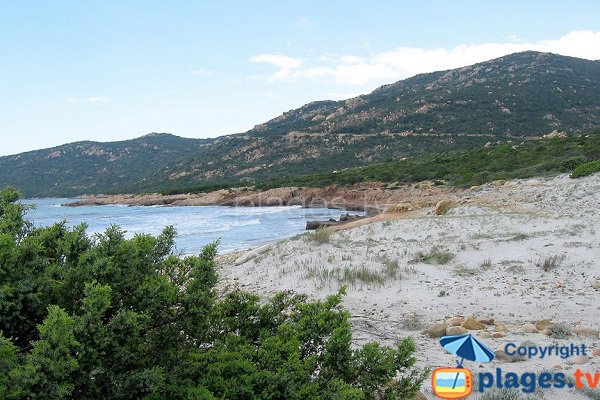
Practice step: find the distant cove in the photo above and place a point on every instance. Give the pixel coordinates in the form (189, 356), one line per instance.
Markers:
(237, 228)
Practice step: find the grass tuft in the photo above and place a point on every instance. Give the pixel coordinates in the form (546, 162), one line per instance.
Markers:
(435, 256)
(550, 263)
(320, 236)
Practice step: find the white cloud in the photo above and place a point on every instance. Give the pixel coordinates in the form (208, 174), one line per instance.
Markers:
(403, 62)
(91, 99)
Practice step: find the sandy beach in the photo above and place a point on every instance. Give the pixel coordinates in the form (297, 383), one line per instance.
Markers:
(510, 262)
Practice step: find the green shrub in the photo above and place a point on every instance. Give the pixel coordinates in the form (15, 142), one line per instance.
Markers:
(435, 256)
(115, 318)
(586, 169)
(559, 331)
(320, 236)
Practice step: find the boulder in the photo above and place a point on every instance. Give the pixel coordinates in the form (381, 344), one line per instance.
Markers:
(443, 206)
(529, 328)
(472, 325)
(578, 360)
(314, 225)
(586, 332)
(436, 331)
(501, 355)
(455, 330)
(542, 324)
(498, 335)
(455, 321)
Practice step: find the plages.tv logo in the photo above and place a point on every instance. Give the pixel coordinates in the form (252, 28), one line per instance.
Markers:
(457, 383)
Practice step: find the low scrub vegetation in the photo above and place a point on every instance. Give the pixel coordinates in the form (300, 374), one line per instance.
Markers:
(586, 169)
(501, 161)
(320, 236)
(435, 256)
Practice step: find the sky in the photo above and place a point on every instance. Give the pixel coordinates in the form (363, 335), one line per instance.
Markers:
(110, 70)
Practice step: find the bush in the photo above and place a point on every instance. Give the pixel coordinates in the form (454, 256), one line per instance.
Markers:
(320, 236)
(114, 318)
(559, 331)
(586, 169)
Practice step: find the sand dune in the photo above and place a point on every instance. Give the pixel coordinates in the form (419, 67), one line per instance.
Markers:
(508, 254)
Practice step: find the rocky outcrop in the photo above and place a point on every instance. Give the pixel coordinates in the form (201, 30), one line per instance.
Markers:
(372, 198)
(344, 219)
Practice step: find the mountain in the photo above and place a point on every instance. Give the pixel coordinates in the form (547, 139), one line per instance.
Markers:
(518, 97)
(92, 167)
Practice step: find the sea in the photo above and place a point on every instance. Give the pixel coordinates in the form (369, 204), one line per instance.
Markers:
(237, 228)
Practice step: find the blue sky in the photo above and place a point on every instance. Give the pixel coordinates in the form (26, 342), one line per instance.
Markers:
(110, 70)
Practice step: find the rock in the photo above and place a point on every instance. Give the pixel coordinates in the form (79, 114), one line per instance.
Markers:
(455, 330)
(542, 324)
(398, 208)
(596, 284)
(472, 325)
(484, 335)
(487, 321)
(596, 353)
(455, 321)
(314, 225)
(436, 331)
(498, 335)
(529, 328)
(500, 328)
(344, 218)
(586, 332)
(501, 355)
(443, 206)
(577, 360)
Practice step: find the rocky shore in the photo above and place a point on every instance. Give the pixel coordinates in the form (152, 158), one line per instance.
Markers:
(370, 197)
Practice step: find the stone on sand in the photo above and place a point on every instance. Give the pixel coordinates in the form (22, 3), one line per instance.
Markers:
(455, 330)
(529, 328)
(455, 321)
(586, 332)
(472, 325)
(436, 331)
(443, 206)
(543, 324)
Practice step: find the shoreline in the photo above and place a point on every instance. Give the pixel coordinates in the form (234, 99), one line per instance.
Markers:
(372, 198)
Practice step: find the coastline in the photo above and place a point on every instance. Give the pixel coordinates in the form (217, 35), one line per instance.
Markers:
(373, 198)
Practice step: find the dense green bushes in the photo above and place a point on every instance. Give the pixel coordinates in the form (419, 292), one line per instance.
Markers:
(586, 169)
(467, 168)
(114, 318)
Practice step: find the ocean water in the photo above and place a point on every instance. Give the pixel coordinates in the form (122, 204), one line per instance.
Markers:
(237, 228)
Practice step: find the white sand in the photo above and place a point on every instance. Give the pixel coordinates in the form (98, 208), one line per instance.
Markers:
(516, 226)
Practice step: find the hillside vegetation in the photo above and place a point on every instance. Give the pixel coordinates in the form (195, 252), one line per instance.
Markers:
(462, 168)
(517, 97)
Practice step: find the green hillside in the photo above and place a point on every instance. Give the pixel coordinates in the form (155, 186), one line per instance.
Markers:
(519, 97)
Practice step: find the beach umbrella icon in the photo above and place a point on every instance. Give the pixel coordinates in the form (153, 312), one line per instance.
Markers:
(467, 348)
